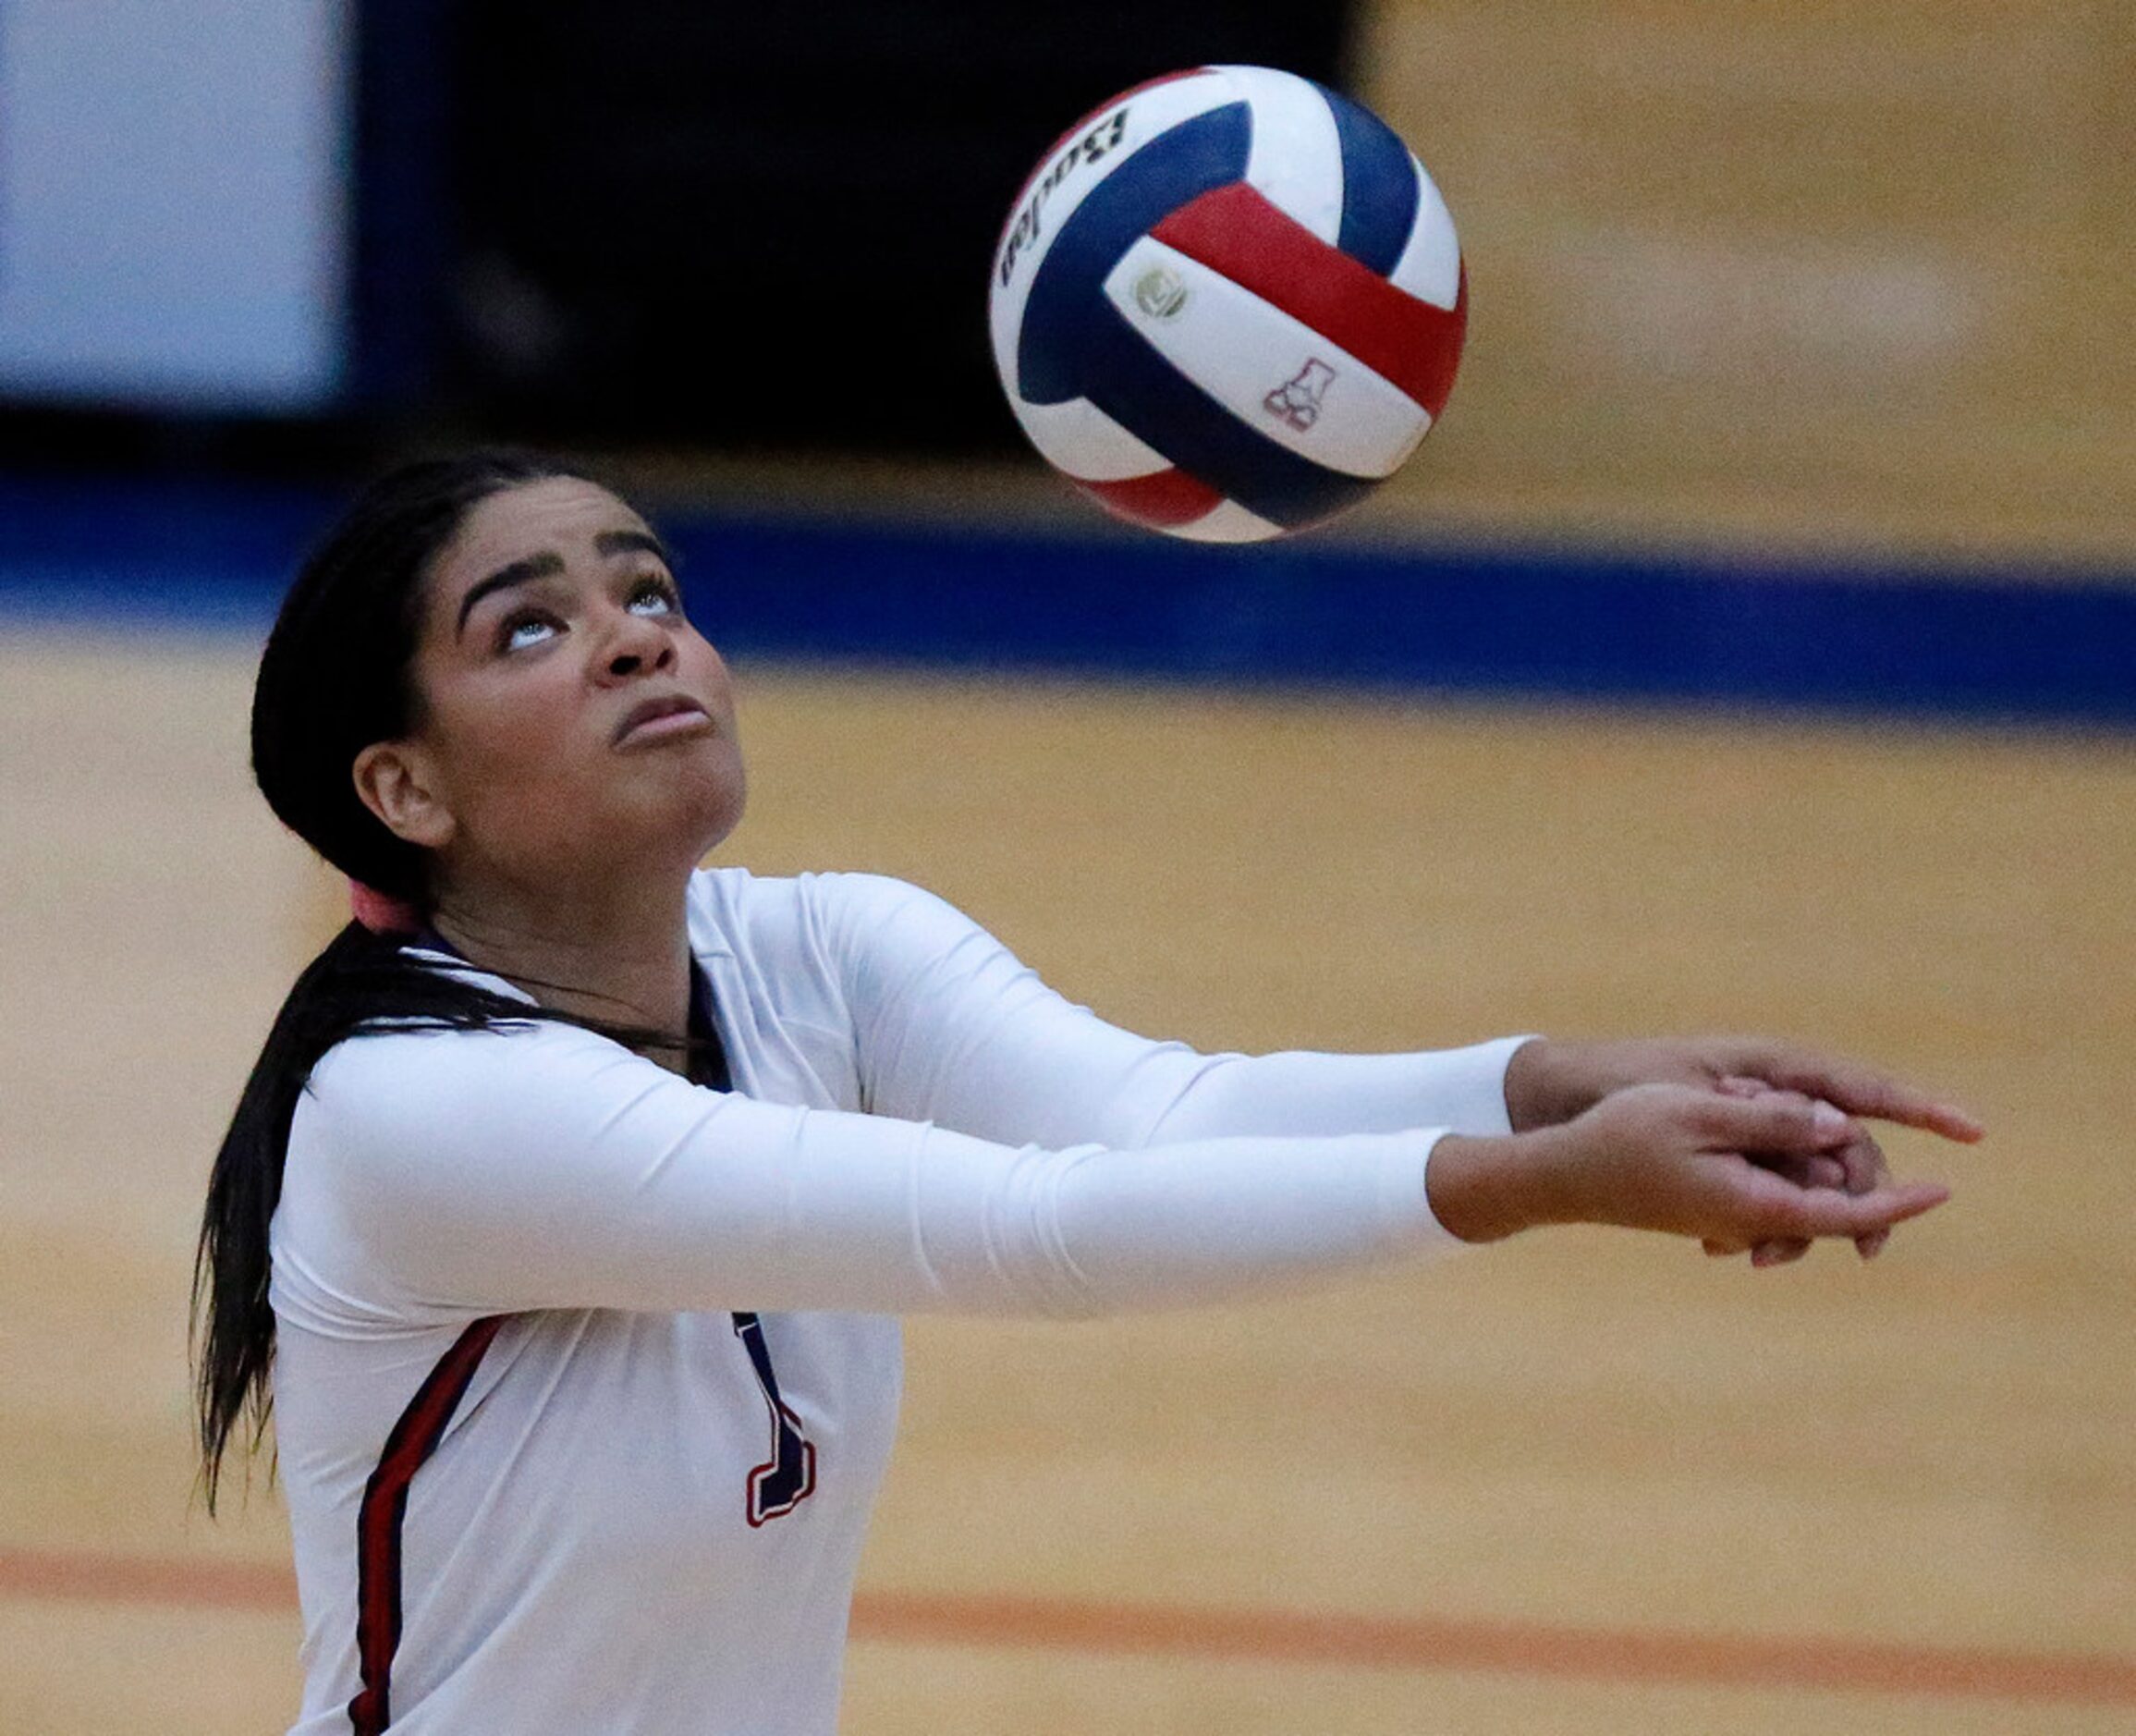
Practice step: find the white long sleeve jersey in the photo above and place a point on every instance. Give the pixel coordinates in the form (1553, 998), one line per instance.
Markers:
(586, 1375)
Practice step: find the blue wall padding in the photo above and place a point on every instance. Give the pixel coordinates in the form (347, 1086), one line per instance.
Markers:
(1557, 623)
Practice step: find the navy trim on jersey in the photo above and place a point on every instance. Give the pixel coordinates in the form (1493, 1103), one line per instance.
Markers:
(379, 1521)
(788, 1476)
(707, 1054)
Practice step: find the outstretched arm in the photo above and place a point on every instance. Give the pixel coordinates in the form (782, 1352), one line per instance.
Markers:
(953, 1029)
(448, 1175)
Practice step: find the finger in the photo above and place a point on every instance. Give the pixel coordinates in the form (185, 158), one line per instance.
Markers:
(1865, 1090)
(1814, 1172)
(1819, 1171)
(1861, 1162)
(1860, 1167)
(1869, 1171)
(1796, 1212)
(1827, 1172)
(1778, 1124)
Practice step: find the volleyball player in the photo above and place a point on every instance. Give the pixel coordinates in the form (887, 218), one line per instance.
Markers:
(567, 1215)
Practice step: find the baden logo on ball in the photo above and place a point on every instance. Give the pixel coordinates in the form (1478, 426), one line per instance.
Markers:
(1228, 305)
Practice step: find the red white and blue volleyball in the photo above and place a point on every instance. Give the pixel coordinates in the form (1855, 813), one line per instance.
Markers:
(1228, 305)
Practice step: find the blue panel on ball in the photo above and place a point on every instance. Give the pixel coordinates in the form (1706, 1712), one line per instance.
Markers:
(1068, 296)
(1128, 379)
(1379, 185)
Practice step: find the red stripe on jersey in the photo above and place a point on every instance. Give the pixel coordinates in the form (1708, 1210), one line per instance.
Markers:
(1162, 500)
(1235, 230)
(378, 1521)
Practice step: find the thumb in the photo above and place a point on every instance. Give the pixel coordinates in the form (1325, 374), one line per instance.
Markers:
(1801, 1213)
(1777, 1122)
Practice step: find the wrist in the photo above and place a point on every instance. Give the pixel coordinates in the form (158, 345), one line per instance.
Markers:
(1537, 1091)
(1486, 1188)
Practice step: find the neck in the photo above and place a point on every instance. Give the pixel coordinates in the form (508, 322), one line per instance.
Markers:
(618, 953)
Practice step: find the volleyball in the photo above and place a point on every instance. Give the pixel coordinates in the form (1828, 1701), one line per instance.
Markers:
(1228, 304)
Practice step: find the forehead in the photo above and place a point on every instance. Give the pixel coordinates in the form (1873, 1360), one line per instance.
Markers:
(558, 514)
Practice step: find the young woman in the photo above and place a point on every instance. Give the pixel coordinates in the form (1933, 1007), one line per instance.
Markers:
(565, 1214)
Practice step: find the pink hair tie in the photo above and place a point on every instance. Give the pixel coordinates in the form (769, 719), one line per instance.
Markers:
(382, 913)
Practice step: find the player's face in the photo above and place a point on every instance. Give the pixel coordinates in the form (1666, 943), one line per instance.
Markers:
(571, 717)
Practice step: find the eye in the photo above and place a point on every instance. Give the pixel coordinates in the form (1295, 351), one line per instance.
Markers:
(526, 628)
(654, 594)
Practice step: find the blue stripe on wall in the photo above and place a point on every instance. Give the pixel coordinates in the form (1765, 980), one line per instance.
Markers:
(1561, 623)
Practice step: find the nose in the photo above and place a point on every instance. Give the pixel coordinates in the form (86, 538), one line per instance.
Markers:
(635, 645)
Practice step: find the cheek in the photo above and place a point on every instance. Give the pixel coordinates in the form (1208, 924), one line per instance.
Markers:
(705, 673)
(510, 734)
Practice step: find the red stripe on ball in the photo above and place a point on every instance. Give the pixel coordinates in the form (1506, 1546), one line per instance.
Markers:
(1235, 230)
(1163, 500)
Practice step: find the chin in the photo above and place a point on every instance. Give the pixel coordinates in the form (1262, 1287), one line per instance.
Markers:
(691, 817)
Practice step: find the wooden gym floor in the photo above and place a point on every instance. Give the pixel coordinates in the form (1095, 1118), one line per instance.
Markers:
(1581, 1483)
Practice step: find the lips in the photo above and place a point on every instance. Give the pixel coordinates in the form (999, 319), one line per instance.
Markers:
(654, 712)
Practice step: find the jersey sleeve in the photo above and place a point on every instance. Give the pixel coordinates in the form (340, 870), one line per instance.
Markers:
(952, 1028)
(434, 1176)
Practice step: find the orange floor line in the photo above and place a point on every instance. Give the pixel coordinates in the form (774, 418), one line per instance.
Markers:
(80, 1577)
(1630, 1656)
(1499, 1647)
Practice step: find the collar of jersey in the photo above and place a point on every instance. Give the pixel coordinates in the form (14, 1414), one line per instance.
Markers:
(433, 949)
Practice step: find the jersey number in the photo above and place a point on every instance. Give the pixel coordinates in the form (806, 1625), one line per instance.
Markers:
(789, 1477)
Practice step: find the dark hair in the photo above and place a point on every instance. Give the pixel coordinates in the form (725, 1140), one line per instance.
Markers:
(334, 679)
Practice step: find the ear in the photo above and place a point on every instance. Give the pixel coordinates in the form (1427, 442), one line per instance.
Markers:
(393, 780)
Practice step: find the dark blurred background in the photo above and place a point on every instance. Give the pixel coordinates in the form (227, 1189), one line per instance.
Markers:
(728, 228)
(769, 226)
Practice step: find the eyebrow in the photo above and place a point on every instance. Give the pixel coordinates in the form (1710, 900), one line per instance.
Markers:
(548, 563)
(640, 542)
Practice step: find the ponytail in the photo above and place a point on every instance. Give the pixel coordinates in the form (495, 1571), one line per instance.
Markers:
(362, 983)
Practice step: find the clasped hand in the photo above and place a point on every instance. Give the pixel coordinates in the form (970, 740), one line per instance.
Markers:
(1747, 1144)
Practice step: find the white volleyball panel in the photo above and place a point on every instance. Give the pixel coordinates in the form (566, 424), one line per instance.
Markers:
(1098, 150)
(1295, 159)
(1080, 438)
(1276, 374)
(1430, 265)
(1228, 521)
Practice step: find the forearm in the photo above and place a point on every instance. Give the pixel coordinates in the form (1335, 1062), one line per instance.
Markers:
(954, 1030)
(961, 1226)
(1300, 1093)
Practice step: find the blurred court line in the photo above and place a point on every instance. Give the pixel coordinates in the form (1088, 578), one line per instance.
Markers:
(1520, 1648)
